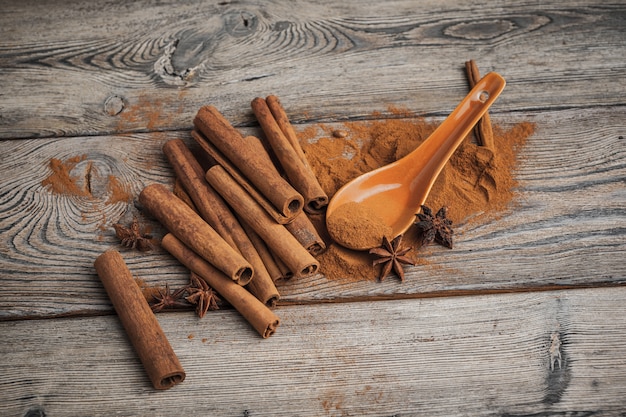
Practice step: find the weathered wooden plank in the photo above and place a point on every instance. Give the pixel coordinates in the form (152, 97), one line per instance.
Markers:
(551, 353)
(148, 66)
(566, 230)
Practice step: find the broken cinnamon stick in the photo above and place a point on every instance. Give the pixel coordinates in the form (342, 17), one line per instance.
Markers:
(483, 129)
(299, 174)
(232, 145)
(262, 319)
(189, 227)
(141, 326)
(275, 235)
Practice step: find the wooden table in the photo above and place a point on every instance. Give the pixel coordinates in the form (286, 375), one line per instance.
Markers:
(525, 316)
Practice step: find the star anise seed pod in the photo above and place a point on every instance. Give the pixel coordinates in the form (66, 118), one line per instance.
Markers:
(392, 256)
(166, 299)
(131, 236)
(201, 295)
(437, 227)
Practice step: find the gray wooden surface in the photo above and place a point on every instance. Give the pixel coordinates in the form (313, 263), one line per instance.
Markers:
(114, 81)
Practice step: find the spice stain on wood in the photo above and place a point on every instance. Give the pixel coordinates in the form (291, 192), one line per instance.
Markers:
(62, 181)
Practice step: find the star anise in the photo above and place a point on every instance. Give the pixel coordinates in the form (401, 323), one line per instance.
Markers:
(392, 256)
(164, 298)
(201, 295)
(132, 237)
(437, 227)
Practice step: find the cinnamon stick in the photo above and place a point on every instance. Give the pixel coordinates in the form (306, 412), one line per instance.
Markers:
(216, 212)
(220, 159)
(303, 230)
(141, 326)
(285, 272)
(268, 259)
(189, 227)
(275, 235)
(280, 115)
(483, 129)
(299, 174)
(265, 178)
(262, 319)
(209, 204)
(180, 192)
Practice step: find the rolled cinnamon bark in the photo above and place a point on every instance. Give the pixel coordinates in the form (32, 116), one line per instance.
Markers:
(180, 192)
(262, 319)
(264, 253)
(278, 239)
(265, 178)
(304, 231)
(189, 227)
(286, 273)
(141, 326)
(262, 286)
(264, 290)
(209, 204)
(300, 174)
(220, 159)
(280, 115)
(216, 212)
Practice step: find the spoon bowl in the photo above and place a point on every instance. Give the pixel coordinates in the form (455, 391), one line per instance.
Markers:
(395, 192)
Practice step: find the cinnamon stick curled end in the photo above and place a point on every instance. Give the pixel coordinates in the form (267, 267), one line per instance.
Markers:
(168, 381)
(316, 205)
(271, 329)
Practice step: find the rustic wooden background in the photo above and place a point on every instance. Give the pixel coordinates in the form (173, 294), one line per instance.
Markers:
(476, 332)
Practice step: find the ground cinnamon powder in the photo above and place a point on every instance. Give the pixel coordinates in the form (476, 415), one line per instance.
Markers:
(476, 184)
(367, 233)
(118, 192)
(61, 180)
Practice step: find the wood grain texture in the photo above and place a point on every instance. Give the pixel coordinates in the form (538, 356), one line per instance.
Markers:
(417, 357)
(92, 76)
(108, 83)
(566, 230)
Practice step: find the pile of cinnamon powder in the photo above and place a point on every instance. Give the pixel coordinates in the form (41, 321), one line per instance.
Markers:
(476, 180)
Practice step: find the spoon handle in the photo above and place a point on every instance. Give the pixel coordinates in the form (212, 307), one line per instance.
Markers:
(431, 156)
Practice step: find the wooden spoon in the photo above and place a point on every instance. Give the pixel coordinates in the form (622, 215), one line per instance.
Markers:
(396, 191)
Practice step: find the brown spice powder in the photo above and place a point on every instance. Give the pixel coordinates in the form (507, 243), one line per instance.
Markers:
(369, 231)
(476, 180)
(118, 192)
(61, 180)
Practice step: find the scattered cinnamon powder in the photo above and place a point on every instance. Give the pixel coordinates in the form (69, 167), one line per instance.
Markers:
(476, 180)
(149, 291)
(149, 112)
(61, 180)
(118, 192)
